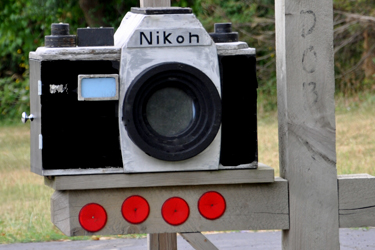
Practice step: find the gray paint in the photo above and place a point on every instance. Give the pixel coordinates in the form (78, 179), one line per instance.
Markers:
(356, 200)
(89, 171)
(234, 48)
(305, 86)
(35, 125)
(263, 174)
(76, 53)
(248, 206)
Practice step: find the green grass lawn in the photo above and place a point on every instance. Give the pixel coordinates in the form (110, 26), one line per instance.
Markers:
(24, 200)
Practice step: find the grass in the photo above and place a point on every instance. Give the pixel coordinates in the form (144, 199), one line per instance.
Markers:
(25, 201)
(355, 136)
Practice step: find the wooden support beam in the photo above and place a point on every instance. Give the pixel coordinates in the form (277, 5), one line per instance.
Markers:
(307, 131)
(357, 200)
(264, 174)
(248, 206)
(251, 206)
(198, 241)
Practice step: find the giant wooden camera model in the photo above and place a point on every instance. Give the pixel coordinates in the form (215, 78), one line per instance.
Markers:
(152, 129)
(160, 95)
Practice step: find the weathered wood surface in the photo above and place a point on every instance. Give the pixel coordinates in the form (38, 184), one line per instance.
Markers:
(264, 174)
(59, 201)
(356, 200)
(77, 53)
(248, 206)
(198, 241)
(36, 124)
(165, 241)
(305, 82)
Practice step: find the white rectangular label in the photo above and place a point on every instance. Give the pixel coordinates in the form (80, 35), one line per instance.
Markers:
(169, 37)
(39, 87)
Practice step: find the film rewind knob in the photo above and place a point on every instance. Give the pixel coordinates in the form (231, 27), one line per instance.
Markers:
(26, 117)
(223, 33)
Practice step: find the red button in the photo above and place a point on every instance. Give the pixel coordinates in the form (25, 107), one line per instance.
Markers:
(175, 211)
(92, 217)
(135, 209)
(211, 205)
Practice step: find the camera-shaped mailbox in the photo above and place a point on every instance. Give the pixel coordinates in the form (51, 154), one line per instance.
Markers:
(160, 95)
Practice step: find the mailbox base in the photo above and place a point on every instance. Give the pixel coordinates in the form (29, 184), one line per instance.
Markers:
(248, 206)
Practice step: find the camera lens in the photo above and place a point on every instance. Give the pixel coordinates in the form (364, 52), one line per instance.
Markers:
(170, 111)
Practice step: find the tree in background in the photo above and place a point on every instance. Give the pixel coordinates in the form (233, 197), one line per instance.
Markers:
(354, 46)
(24, 23)
(255, 22)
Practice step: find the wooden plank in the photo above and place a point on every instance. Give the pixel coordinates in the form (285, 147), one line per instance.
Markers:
(248, 206)
(264, 174)
(198, 241)
(155, 3)
(36, 124)
(356, 200)
(305, 82)
(77, 53)
(165, 241)
(59, 202)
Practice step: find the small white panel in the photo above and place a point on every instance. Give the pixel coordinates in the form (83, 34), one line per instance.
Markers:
(39, 87)
(40, 141)
(98, 87)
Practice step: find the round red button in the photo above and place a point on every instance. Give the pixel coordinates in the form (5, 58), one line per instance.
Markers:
(175, 211)
(92, 217)
(135, 209)
(211, 205)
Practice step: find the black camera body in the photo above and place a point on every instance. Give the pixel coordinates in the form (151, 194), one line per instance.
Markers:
(162, 95)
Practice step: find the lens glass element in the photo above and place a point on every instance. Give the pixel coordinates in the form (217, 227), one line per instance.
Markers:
(170, 111)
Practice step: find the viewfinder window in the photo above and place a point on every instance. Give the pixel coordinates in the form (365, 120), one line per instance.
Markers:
(98, 87)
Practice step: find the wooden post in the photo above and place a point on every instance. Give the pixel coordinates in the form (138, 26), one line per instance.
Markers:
(305, 85)
(155, 3)
(166, 241)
